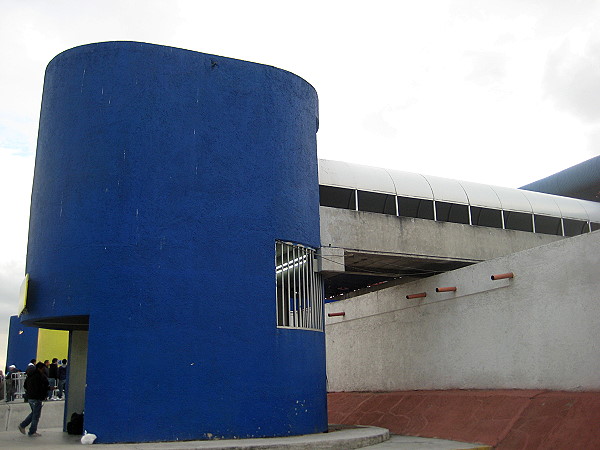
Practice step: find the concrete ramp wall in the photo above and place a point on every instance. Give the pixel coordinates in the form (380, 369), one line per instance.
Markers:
(506, 419)
(13, 413)
(538, 330)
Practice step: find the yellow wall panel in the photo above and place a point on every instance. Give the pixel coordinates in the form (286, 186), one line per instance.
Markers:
(52, 344)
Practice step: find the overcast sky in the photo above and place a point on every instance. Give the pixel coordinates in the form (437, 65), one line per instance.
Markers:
(502, 92)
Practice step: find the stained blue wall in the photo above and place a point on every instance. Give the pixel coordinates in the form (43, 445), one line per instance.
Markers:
(163, 178)
(22, 344)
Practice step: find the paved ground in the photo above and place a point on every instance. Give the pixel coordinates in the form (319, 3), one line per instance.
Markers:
(341, 437)
(417, 443)
(54, 439)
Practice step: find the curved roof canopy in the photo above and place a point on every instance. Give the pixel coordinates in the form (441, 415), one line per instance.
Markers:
(408, 184)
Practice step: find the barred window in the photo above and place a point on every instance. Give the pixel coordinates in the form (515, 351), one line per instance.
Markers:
(299, 287)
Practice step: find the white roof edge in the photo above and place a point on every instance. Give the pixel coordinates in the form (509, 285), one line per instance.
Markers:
(591, 209)
(510, 199)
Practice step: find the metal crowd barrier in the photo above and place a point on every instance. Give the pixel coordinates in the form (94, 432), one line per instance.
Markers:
(14, 386)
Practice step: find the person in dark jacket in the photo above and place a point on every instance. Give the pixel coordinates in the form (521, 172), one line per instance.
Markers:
(36, 386)
(62, 378)
(30, 367)
(52, 377)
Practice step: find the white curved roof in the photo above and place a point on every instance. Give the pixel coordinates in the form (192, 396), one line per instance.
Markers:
(411, 184)
(481, 195)
(544, 204)
(592, 210)
(513, 199)
(343, 174)
(408, 184)
(446, 190)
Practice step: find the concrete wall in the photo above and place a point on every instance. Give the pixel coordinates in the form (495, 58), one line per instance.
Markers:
(537, 330)
(76, 374)
(384, 233)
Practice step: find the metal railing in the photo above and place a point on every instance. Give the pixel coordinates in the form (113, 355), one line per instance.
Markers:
(14, 386)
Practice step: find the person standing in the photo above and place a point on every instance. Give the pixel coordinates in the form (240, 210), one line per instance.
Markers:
(36, 386)
(62, 378)
(52, 378)
(30, 367)
(11, 382)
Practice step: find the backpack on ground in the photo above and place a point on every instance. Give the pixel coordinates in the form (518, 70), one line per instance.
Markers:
(75, 426)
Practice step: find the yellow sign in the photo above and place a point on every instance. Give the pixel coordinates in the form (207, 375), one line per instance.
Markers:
(23, 295)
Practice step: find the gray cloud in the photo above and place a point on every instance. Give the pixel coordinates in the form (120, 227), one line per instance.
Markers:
(572, 81)
(11, 277)
(594, 142)
(18, 134)
(376, 123)
(552, 17)
(488, 68)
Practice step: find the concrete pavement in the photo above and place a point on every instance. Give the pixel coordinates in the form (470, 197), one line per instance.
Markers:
(345, 439)
(342, 437)
(419, 443)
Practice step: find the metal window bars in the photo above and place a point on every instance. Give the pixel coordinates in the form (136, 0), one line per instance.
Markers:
(299, 287)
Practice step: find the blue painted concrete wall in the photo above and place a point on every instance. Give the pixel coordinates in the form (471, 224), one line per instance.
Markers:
(22, 344)
(163, 178)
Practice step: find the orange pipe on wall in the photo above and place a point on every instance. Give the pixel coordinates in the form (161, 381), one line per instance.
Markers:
(446, 289)
(420, 295)
(502, 276)
(336, 314)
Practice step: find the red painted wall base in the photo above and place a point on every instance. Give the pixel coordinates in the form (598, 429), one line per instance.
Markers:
(506, 419)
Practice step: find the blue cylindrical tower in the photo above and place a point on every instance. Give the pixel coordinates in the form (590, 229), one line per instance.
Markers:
(166, 180)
